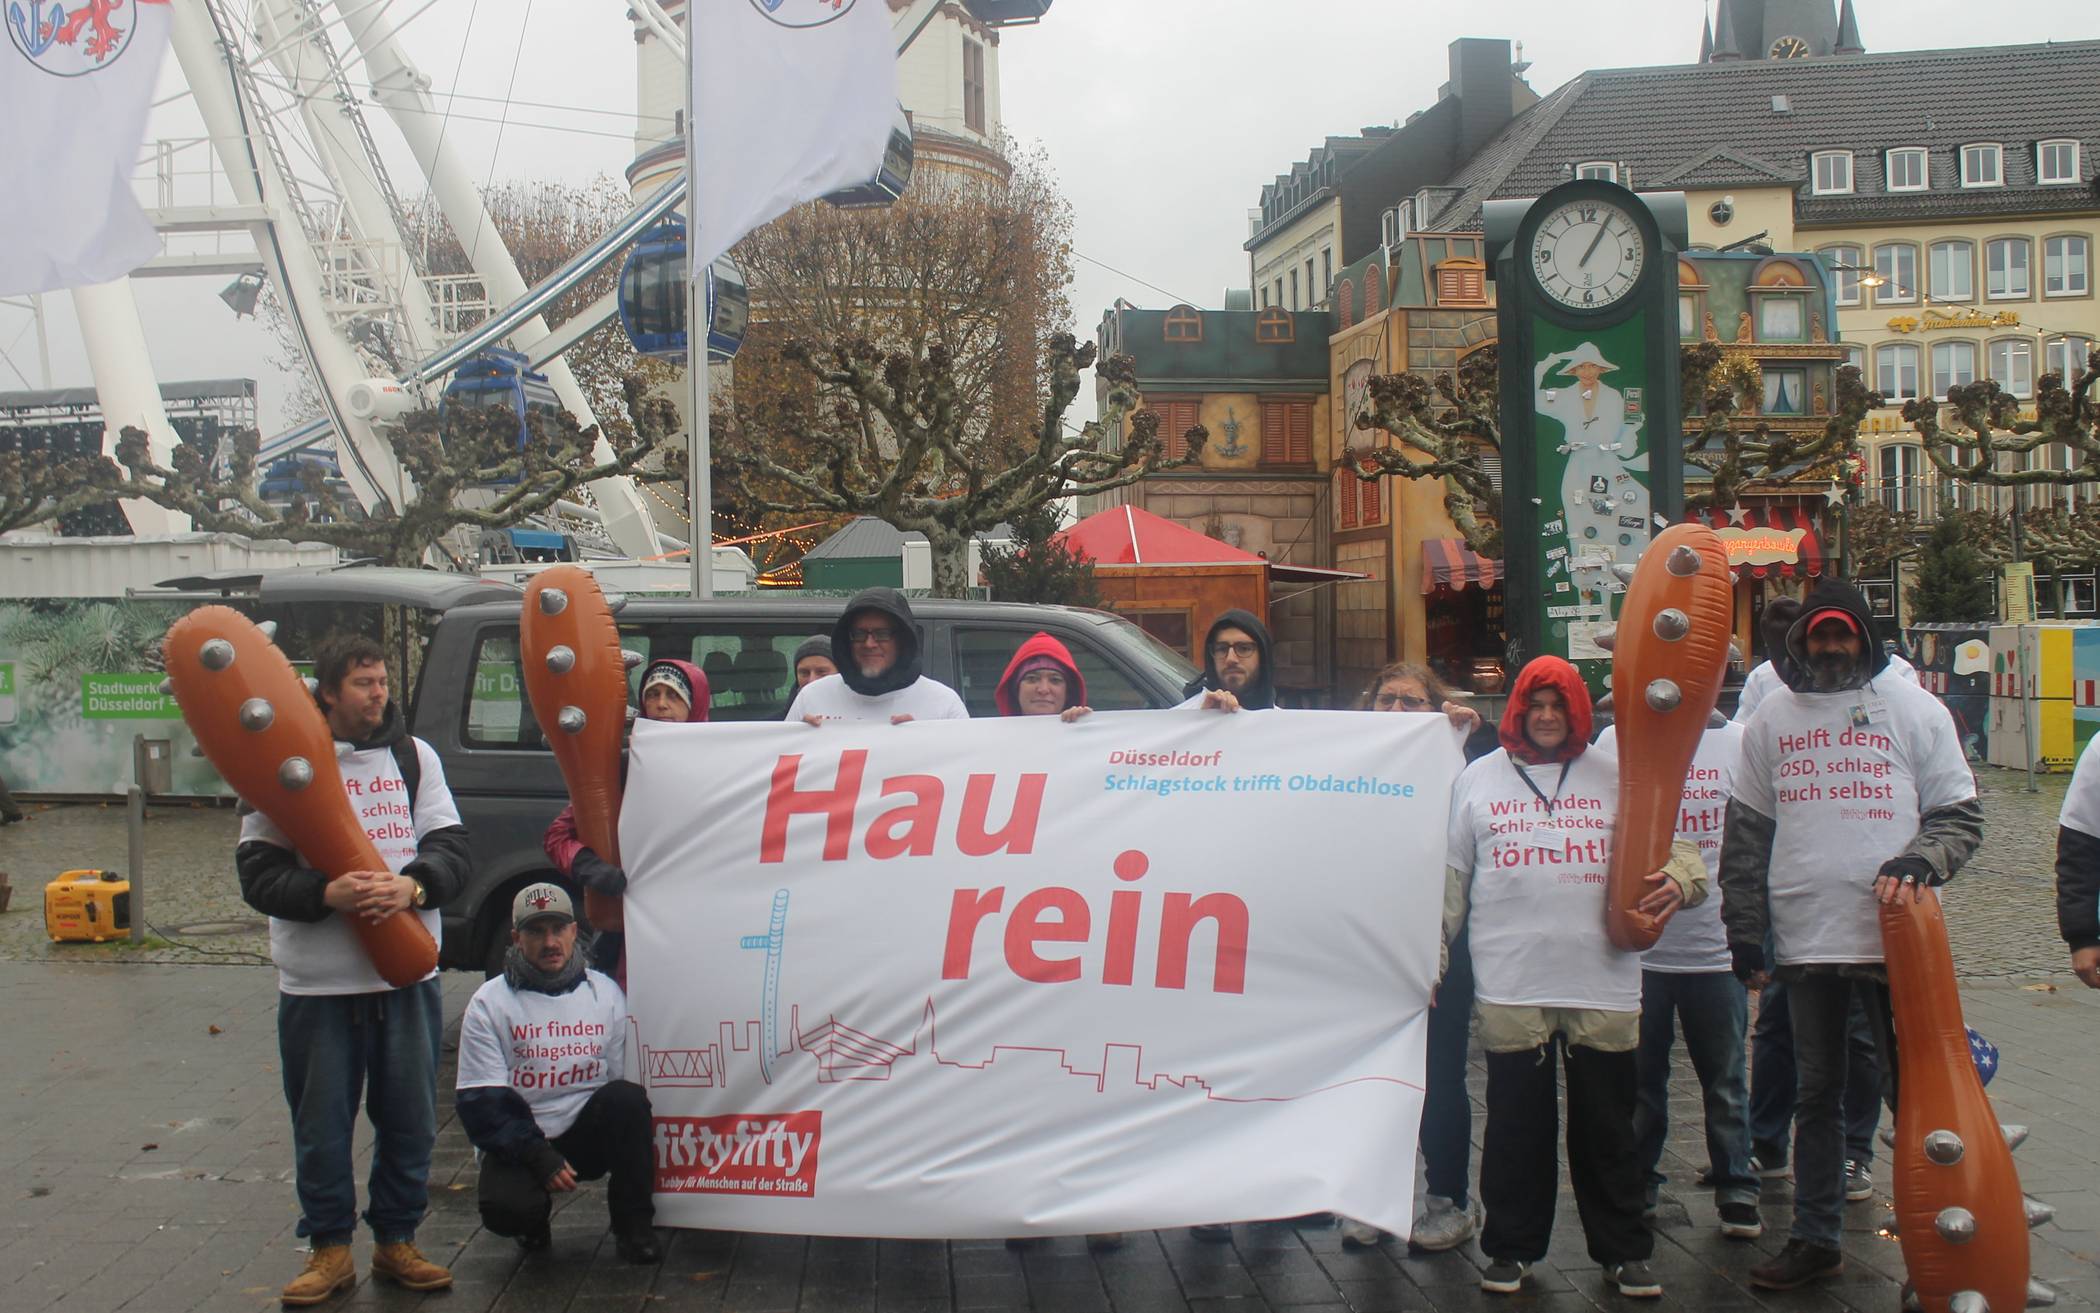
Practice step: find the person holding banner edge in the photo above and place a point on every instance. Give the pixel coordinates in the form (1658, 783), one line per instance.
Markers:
(1528, 851)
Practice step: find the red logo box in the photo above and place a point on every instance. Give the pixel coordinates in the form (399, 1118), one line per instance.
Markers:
(761, 1153)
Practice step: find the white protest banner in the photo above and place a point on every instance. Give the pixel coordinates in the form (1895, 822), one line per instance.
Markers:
(971, 978)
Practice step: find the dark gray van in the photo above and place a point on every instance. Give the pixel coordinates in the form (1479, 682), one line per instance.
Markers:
(469, 705)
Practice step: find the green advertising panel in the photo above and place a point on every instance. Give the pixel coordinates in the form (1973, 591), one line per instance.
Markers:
(105, 696)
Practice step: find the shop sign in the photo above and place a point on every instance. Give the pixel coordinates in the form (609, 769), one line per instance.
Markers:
(1762, 546)
(1933, 321)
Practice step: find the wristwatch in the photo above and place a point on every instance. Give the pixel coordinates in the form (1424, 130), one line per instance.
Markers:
(420, 896)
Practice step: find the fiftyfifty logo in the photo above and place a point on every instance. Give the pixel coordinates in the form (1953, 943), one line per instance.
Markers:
(804, 13)
(740, 1153)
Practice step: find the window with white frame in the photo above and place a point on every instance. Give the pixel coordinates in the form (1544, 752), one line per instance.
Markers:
(1601, 170)
(2066, 357)
(2005, 269)
(1964, 493)
(2065, 265)
(2057, 457)
(1845, 263)
(1833, 172)
(1896, 264)
(1909, 169)
(2011, 362)
(1896, 371)
(1951, 271)
(1688, 316)
(1982, 165)
(2055, 162)
(1855, 356)
(1786, 392)
(1899, 466)
(1953, 364)
(1780, 319)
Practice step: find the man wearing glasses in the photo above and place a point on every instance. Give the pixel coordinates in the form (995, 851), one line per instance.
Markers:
(1236, 674)
(876, 647)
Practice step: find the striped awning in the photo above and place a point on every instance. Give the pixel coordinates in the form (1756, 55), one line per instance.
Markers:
(1765, 537)
(1448, 563)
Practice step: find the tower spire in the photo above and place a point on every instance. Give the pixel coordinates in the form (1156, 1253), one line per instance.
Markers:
(1848, 42)
(1706, 39)
(1724, 35)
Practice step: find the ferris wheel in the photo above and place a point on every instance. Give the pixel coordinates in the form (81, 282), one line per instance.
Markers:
(288, 188)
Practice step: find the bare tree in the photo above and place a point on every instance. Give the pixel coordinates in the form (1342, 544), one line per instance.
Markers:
(37, 486)
(1980, 437)
(894, 435)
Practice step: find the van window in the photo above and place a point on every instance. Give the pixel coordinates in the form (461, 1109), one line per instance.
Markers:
(747, 663)
(497, 716)
(981, 656)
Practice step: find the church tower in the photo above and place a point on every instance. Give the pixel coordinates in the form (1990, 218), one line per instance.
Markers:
(1781, 29)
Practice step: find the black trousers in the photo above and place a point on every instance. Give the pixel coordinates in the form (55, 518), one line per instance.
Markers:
(1520, 1164)
(611, 1136)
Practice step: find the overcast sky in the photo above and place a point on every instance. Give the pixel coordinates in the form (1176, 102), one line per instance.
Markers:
(1162, 119)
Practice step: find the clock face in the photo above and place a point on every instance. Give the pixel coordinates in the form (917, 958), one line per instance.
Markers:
(1789, 47)
(1588, 254)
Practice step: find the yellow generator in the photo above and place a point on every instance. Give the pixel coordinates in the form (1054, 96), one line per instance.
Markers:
(87, 906)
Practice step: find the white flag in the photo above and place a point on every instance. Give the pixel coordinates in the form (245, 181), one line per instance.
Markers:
(75, 84)
(793, 99)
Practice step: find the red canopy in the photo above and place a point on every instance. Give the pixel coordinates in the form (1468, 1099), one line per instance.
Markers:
(1125, 535)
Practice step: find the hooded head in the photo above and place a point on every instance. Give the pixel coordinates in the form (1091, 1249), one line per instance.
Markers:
(1565, 709)
(1041, 653)
(1251, 676)
(1831, 646)
(889, 660)
(681, 679)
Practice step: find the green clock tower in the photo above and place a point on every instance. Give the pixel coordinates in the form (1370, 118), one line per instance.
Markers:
(1592, 439)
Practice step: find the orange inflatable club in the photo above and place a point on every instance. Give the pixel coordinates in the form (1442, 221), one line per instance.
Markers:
(576, 677)
(256, 721)
(1960, 1215)
(1669, 655)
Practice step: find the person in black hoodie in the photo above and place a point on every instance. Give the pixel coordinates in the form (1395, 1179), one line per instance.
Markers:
(1239, 670)
(1852, 791)
(2078, 869)
(341, 1029)
(876, 647)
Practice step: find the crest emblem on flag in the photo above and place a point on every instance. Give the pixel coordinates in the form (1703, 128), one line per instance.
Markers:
(87, 38)
(804, 13)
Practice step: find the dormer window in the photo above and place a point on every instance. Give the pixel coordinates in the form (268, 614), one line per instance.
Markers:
(1275, 327)
(1982, 165)
(1909, 169)
(1183, 324)
(1600, 170)
(2056, 162)
(1833, 172)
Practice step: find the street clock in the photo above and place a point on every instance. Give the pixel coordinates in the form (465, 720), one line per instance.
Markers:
(1592, 441)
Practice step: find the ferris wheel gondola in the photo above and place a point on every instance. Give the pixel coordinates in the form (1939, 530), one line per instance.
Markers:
(505, 379)
(653, 298)
(889, 183)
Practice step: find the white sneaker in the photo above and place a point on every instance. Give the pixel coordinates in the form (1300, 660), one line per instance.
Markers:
(1361, 1234)
(1442, 1225)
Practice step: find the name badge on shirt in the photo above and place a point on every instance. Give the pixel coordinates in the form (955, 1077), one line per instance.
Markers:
(1547, 837)
(1868, 711)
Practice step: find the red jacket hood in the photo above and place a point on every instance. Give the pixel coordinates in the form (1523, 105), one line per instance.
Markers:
(1554, 673)
(703, 696)
(1039, 645)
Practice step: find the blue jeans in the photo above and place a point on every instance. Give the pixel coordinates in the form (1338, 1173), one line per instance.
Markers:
(1823, 1007)
(1716, 1011)
(1773, 1081)
(383, 1047)
(1447, 1111)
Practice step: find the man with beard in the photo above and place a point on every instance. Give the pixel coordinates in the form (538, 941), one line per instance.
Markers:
(1852, 792)
(876, 646)
(1237, 673)
(542, 1092)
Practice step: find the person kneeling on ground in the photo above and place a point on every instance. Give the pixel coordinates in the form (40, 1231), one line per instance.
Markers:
(538, 1138)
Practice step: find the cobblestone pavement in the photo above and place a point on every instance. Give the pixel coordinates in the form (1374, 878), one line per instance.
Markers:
(146, 1163)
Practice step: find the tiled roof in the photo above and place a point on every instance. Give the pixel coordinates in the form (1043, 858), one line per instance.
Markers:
(1485, 172)
(1713, 124)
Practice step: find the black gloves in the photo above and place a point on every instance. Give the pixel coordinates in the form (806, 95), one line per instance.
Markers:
(594, 872)
(1913, 869)
(1746, 960)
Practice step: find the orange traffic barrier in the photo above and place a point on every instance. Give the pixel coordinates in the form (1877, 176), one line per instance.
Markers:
(576, 678)
(1668, 657)
(257, 723)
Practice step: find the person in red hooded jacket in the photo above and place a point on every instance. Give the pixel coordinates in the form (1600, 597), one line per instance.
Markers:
(1529, 845)
(674, 691)
(1041, 680)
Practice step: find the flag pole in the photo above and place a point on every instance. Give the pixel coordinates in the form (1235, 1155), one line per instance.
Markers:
(699, 471)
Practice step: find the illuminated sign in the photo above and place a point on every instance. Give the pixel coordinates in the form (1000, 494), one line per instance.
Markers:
(1762, 546)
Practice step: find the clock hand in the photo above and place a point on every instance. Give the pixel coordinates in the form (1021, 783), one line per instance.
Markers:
(1594, 241)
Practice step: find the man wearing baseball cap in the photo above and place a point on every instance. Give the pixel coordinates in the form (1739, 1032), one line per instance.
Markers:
(1852, 791)
(542, 1052)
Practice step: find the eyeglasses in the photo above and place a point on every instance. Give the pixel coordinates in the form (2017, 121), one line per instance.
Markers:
(872, 637)
(1240, 650)
(1387, 701)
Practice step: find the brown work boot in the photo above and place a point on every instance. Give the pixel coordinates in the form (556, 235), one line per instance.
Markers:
(402, 1264)
(328, 1271)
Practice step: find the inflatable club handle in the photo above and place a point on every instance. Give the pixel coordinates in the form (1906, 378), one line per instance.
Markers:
(257, 723)
(1668, 658)
(1949, 1153)
(569, 645)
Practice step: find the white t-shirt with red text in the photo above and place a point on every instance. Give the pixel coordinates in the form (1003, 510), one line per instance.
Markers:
(1694, 940)
(1846, 776)
(555, 1050)
(325, 956)
(1538, 861)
